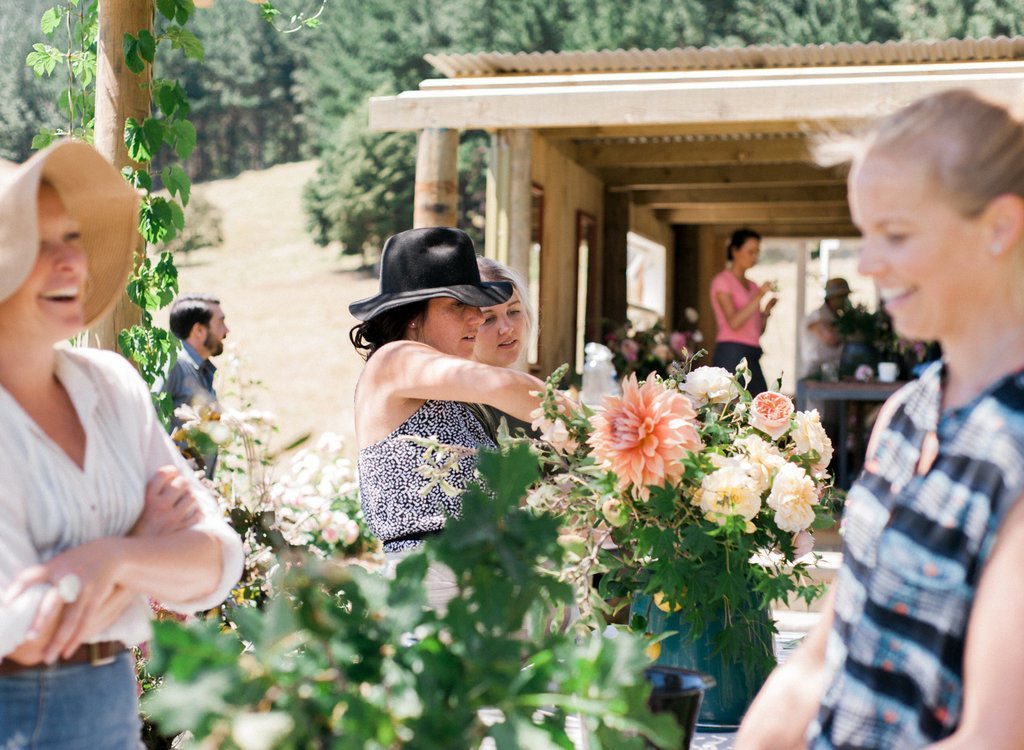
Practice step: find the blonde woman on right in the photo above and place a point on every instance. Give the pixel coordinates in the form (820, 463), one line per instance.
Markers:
(919, 640)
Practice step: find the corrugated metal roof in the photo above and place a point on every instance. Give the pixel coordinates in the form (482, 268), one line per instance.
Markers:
(730, 58)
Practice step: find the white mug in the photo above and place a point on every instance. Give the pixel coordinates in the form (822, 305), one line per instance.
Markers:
(888, 371)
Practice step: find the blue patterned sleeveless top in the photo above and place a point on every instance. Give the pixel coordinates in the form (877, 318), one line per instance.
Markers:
(919, 525)
(400, 504)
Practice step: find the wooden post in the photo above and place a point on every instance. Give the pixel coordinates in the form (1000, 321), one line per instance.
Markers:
(436, 200)
(509, 198)
(613, 266)
(120, 94)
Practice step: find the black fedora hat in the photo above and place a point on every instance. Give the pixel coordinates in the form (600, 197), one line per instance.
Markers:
(420, 264)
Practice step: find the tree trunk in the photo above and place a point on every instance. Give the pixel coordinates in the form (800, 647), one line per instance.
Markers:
(120, 94)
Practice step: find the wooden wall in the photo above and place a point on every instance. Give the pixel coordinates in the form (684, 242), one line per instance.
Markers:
(568, 188)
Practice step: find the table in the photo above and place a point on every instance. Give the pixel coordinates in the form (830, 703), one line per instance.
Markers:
(843, 392)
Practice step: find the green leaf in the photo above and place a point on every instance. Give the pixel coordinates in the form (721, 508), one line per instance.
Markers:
(177, 215)
(170, 97)
(43, 138)
(138, 178)
(43, 59)
(147, 46)
(130, 50)
(176, 181)
(184, 138)
(167, 8)
(51, 20)
(135, 140)
(186, 41)
(312, 23)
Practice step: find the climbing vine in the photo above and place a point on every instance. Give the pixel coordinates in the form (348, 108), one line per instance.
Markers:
(166, 135)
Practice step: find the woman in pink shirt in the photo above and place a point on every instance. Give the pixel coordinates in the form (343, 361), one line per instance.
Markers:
(736, 301)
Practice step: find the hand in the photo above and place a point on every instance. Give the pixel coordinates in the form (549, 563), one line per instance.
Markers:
(169, 505)
(100, 599)
(765, 288)
(771, 305)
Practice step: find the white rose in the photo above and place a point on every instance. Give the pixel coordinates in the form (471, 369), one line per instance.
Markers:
(349, 531)
(764, 459)
(729, 491)
(713, 385)
(793, 498)
(809, 435)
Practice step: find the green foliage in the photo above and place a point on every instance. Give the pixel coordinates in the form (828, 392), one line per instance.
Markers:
(342, 657)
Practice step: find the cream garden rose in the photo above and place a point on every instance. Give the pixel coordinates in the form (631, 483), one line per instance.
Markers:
(793, 498)
(710, 385)
(729, 491)
(763, 460)
(808, 435)
(770, 413)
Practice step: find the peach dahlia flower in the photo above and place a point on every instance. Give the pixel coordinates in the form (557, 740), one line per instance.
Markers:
(642, 435)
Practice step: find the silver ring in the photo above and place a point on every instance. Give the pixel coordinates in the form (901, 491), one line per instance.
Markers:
(69, 587)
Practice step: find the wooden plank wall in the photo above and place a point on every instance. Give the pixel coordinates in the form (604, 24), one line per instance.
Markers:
(568, 188)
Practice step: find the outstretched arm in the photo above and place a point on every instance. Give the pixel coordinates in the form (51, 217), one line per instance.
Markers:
(408, 369)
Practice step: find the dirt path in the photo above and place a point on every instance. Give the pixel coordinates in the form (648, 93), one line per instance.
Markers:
(286, 300)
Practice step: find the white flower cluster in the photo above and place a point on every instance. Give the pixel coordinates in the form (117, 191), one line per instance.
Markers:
(316, 502)
(779, 459)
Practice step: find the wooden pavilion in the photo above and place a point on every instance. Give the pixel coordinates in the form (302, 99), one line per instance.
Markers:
(678, 146)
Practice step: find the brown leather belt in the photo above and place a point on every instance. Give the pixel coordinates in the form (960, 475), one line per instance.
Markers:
(95, 654)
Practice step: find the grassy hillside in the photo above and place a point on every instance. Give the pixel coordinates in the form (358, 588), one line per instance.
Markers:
(286, 300)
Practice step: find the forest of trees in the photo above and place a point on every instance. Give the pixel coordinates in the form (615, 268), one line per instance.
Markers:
(262, 97)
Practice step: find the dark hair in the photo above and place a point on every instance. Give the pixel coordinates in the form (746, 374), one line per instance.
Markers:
(738, 238)
(190, 309)
(385, 327)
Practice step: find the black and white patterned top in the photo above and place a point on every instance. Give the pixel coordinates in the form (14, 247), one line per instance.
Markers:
(396, 504)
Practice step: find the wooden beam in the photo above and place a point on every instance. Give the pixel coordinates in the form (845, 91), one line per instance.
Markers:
(839, 229)
(698, 128)
(806, 212)
(767, 151)
(745, 175)
(120, 94)
(781, 95)
(730, 194)
(508, 199)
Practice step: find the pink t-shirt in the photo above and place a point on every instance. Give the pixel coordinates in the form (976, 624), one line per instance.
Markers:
(750, 332)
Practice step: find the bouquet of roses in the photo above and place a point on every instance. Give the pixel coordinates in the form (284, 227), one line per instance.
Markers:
(643, 351)
(686, 489)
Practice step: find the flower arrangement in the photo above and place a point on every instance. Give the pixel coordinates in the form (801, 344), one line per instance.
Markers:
(687, 489)
(855, 322)
(643, 351)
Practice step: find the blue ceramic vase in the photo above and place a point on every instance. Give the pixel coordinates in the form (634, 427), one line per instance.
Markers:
(736, 682)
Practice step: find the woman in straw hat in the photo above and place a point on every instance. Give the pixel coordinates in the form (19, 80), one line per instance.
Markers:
(919, 643)
(418, 336)
(98, 513)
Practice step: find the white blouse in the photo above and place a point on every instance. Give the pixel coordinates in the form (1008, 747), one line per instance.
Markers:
(48, 504)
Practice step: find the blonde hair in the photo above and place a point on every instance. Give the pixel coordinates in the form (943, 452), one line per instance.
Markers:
(971, 147)
(492, 270)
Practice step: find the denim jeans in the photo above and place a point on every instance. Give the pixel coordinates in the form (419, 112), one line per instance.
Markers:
(72, 707)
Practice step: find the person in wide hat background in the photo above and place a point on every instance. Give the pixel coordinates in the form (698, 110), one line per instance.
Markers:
(418, 336)
(98, 511)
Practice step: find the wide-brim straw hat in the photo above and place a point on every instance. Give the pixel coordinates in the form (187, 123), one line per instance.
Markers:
(96, 196)
(420, 264)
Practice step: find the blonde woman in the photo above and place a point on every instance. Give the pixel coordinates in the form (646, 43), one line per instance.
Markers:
(98, 512)
(503, 338)
(917, 646)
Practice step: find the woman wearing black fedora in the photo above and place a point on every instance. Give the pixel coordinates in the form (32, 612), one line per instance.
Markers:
(418, 337)
(96, 513)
